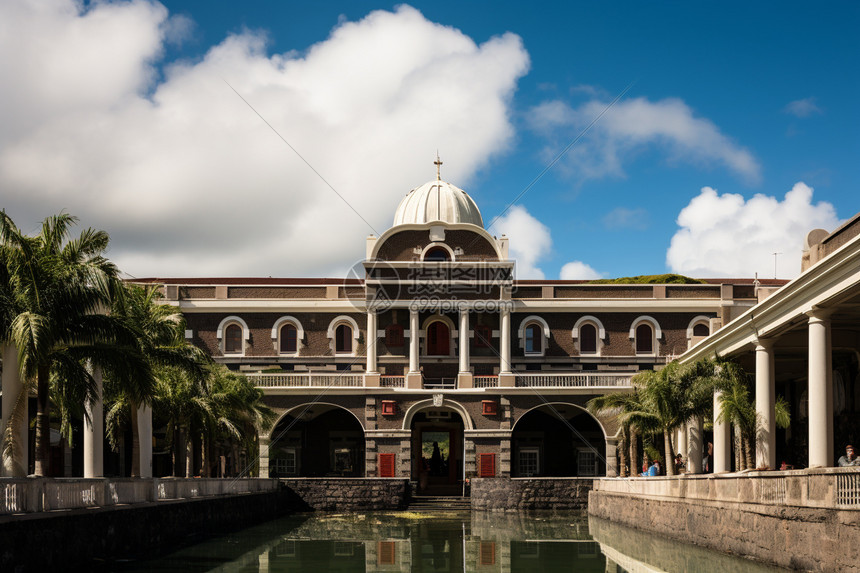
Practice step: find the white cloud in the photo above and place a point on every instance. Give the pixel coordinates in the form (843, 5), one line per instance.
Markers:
(631, 124)
(189, 181)
(802, 107)
(577, 270)
(624, 218)
(530, 240)
(726, 236)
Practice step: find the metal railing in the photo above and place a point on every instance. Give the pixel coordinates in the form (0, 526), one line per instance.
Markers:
(440, 383)
(27, 495)
(485, 381)
(392, 381)
(572, 380)
(307, 380)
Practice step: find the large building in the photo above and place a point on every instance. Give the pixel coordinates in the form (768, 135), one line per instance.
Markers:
(434, 363)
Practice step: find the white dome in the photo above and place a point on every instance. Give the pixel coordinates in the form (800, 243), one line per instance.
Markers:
(437, 201)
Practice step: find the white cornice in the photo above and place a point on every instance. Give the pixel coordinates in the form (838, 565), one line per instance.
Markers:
(821, 286)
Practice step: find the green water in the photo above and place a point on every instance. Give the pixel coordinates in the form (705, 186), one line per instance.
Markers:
(405, 541)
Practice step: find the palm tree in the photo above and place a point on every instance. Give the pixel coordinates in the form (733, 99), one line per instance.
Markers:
(737, 407)
(158, 331)
(628, 408)
(54, 289)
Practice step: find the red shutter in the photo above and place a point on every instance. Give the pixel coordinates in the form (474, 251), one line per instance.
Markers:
(386, 465)
(488, 553)
(385, 553)
(486, 465)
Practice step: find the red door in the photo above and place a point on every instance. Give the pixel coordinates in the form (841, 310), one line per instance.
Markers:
(438, 339)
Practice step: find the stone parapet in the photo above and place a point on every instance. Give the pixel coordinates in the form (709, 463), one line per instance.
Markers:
(516, 494)
(809, 539)
(349, 494)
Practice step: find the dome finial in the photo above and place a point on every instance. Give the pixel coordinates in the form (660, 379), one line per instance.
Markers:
(438, 164)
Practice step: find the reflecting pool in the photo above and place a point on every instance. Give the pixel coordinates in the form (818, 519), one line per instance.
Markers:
(407, 541)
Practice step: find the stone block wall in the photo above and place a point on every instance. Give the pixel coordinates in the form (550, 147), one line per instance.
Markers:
(809, 539)
(349, 494)
(516, 494)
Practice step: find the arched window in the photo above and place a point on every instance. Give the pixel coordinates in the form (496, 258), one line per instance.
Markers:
(587, 339)
(233, 339)
(437, 254)
(343, 338)
(289, 338)
(533, 339)
(394, 335)
(644, 339)
(438, 339)
(483, 336)
(701, 329)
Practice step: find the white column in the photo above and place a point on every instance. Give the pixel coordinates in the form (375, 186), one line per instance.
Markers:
(413, 341)
(694, 461)
(820, 450)
(144, 429)
(15, 465)
(722, 445)
(764, 405)
(505, 341)
(371, 342)
(94, 432)
(611, 453)
(682, 442)
(264, 457)
(464, 341)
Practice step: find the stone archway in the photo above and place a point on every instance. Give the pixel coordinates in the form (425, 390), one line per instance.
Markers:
(437, 440)
(315, 441)
(558, 440)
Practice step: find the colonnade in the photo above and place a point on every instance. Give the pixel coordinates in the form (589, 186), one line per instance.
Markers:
(15, 465)
(414, 335)
(820, 392)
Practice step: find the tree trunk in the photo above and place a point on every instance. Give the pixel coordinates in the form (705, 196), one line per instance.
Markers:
(739, 455)
(189, 454)
(178, 446)
(634, 451)
(135, 442)
(669, 460)
(43, 422)
(748, 452)
(622, 451)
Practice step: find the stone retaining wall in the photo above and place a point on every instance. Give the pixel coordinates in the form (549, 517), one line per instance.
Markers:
(84, 539)
(811, 539)
(348, 494)
(515, 494)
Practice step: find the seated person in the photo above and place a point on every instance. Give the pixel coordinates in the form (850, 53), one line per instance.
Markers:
(849, 459)
(654, 470)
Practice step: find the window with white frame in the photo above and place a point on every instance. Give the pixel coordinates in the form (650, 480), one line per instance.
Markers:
(343, 339)
(644, 339)
(233, 337)
(586, 462)
(289, 339)
(588, 339)
(533, 343)
(528, 462)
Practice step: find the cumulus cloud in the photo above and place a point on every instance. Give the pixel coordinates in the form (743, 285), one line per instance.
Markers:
(723, 235)
(624, 218)
(190, 181)
(577, 270)
(631, 124)
(530, 240)
(802, 107)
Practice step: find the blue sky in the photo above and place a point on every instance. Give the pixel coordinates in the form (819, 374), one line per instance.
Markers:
(746, 99)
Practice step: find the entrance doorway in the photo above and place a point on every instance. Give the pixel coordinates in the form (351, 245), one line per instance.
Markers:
(437, 452)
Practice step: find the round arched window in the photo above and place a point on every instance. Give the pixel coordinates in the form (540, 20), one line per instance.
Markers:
(587, 339)
(534, 339)
(644, 339)
(343, 338)
(701, 329)
(233, 339)
(438, 254)
(289, 338)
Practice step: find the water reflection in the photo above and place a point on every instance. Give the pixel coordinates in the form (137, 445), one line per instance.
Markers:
(481, 542)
